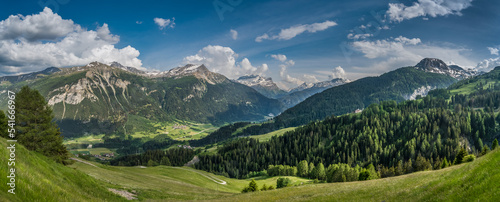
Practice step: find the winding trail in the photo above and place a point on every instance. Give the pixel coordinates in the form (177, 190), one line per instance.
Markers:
(214, 179)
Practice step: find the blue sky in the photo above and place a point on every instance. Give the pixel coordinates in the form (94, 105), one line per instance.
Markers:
(363, 38)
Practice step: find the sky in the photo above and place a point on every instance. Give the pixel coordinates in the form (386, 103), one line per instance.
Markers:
(292, 41)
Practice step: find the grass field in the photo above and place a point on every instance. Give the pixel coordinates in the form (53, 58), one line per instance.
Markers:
(37, 175)
(41, 179)
(172, 183)
(476, 181)
(266, 137)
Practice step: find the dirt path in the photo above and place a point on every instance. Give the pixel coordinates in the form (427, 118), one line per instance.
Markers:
(214, 179)
(82, 161)
(126, 194)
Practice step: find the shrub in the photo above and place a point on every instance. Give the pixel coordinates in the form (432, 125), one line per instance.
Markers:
(469, 158)
(283, 182)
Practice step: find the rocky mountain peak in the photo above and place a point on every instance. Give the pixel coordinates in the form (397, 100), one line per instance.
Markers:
(438, 66)
(256, 80)
(431, 63)
(198, 71)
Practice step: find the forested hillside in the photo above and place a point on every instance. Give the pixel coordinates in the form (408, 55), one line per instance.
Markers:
(386, 134)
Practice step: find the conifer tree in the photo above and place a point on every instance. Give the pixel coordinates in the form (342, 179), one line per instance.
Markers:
(460, 157)
(252, 186)
(494, 145)
(3, 125)
(445, 163)
(35, 128)
(485, 150)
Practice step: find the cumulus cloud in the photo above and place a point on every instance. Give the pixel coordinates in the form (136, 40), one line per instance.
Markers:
(488, 64)
(398, 52)
(26, 48)
(279, 57)
(285, 77)
(44, 26)
(337, 72)
(164, 23)
(493, 51)
(234, 34)
(380, 48)
(223, 60)
(291, 32)
(426, 8)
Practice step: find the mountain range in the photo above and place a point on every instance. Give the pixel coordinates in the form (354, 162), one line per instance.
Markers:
(99, 98)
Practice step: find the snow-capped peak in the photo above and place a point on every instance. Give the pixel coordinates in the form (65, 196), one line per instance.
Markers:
(438, 66)
(320, 85)
(256, 80)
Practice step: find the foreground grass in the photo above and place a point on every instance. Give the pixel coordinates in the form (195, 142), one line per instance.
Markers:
(475, 181)
(41, 179)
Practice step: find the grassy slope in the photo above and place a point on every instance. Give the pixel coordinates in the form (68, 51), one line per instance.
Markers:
(41, 179)
(476, 181)
(38, 176)
(172, 183)
(266, 137)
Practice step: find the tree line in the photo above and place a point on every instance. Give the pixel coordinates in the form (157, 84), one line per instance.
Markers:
(386, 134)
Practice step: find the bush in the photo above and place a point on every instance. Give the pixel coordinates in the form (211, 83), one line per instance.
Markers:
(469, 158)
(283, 182)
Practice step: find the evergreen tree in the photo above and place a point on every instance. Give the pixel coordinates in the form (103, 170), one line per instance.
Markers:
(494, 145)
(252, 186)
(165, 161)
(34, 126)
(264, 187)
(445, 163)
(485, 150)
(302, 169)
(460, 156)
(3, 125)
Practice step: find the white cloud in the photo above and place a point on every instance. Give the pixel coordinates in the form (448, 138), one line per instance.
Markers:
(398, 52)
(493, 51)
(310, 78)
(358, 36)
(337, 72)
(43, 26)
(138, 22)
(164, 23)
(222, 60)
(279, 57)
(381, 48)
(26, 49)
(426, 8)
(285, 77)
(234, 34)
(289, 33)
(488, 64)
